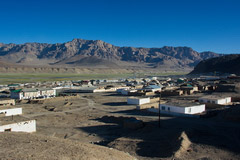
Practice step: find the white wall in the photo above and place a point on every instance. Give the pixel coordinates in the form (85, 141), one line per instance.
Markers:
(25, 126)
(224, 100)
(48, 93)
(155, 110)
(228, 99)
(138, 101)
(216, 101)
(158, 89)
(184, 110)
(29, 95)
(11, 112)
(195, 109)
(170, 108)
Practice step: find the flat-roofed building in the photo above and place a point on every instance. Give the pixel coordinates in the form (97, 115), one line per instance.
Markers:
(180, 108)
(153, 88)
(8, 111)
(7, 102)
(17, 124)
(215, 100)
(128, 91)
(138, 100)
(32, 93)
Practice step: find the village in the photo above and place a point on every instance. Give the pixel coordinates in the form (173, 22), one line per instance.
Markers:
(70, 109)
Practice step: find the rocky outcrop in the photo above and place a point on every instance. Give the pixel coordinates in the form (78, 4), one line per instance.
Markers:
(223, 64)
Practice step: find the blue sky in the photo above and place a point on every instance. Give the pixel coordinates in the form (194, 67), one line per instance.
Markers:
(204, 25)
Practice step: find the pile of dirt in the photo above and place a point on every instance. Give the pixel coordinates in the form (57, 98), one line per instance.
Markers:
(50, 108)
(184, 144)
(67, 103)
(33, 146)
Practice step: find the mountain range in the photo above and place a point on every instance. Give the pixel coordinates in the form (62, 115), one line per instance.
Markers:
(99, 54)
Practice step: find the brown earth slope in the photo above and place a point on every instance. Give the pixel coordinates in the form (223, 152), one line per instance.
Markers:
(32, 146)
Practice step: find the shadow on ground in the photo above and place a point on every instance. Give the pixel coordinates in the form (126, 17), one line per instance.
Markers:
(135, 112)
(164, 142)
(116, 95)
(115, 103)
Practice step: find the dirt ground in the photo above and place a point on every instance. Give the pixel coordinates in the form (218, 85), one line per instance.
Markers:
(20, 146)
(94, 118)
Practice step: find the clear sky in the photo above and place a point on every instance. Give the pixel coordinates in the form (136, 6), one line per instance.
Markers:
(204, 25)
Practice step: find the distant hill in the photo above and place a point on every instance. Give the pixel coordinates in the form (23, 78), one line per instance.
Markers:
(223, 64)
(96, 53)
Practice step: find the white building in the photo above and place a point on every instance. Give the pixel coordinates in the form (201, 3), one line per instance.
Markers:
(153, 88)
(138, 101)
(7, 102)
(33, 93)
(10, 111)
(18, 125)
(215, 100)
(120, 89)
(180, 108)
(127, 91)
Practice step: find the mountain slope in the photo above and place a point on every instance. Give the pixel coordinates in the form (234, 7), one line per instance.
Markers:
(79, 52)
(223, 64)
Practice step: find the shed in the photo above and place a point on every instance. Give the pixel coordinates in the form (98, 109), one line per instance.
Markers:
(215, 100)
(138, 101)
(180, 109)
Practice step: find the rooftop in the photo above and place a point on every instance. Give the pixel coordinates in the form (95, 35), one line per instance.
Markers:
(31, 90)
(153, 86)
(12, 119)
(138, 97)
(182, 104)
(211, 97)
(8, 107)
(6, 99)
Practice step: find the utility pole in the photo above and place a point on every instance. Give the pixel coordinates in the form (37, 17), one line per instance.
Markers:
(159, 112)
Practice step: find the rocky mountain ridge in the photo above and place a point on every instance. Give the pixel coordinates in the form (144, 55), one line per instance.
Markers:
(97, 53)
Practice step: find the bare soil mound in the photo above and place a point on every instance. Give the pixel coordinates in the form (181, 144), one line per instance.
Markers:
(33, 146)
(184, 144)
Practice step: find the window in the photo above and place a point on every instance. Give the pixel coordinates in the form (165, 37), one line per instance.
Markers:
(163, 107)
(168, 108)
(8, 130)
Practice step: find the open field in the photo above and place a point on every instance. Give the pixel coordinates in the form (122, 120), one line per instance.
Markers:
(22, 78)
(94, 118)
(6, 78)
